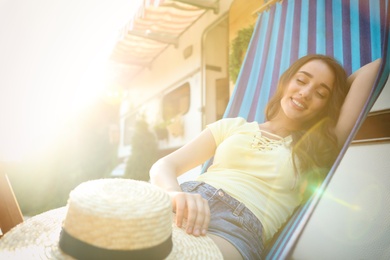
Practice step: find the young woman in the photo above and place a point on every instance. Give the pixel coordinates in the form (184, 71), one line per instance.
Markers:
(260, 171)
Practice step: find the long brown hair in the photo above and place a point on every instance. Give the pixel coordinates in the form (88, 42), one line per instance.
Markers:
(315, 147)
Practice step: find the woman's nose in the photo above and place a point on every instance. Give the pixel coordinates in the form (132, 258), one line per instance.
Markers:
(305, 92)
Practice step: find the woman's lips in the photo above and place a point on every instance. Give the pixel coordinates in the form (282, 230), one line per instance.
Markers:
(298, 104)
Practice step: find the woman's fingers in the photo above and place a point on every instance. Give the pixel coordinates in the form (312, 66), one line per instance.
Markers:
(195, 209)
(179, 207)
(206, 221)
(202, 215)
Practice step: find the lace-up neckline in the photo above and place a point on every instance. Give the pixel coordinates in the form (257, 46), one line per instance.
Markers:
(266, 141)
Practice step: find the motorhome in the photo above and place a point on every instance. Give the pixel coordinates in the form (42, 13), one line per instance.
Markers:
(187, 85)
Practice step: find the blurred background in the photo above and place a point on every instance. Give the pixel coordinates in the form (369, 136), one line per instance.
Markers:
(58, 108)
(102, 88)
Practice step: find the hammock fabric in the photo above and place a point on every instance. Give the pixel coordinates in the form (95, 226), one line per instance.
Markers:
(355, 32)
(351, 31)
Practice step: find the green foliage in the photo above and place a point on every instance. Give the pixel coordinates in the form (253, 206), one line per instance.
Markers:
(143, 152)
(238, 50)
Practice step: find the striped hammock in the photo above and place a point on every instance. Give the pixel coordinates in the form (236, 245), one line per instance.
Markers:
(354, 32)
(351, 31)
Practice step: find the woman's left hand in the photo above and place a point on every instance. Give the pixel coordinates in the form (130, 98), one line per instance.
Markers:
(194, 209)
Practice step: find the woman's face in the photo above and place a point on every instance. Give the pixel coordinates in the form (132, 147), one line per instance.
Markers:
(308, 92)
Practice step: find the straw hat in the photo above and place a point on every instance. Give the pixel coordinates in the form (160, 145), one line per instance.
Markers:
(107, 219)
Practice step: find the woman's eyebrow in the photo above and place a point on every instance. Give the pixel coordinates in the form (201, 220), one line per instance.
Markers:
(311, 76)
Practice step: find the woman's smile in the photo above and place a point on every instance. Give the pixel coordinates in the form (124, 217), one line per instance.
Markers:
(298, 104)
(307, 93)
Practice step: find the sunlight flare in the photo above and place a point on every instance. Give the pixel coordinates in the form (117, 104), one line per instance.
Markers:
(55, 54)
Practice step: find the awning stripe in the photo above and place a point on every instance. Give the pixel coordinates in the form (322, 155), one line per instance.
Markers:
(156, 25)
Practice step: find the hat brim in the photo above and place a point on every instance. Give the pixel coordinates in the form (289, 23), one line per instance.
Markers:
(38, 237)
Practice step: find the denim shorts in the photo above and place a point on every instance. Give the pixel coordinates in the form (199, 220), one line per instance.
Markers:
(230, 219)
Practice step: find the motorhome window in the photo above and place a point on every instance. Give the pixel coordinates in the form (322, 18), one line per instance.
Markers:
(176, 102)
(376, 127)
(128, 129)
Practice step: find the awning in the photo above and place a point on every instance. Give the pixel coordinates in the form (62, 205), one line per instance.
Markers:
(157, 25)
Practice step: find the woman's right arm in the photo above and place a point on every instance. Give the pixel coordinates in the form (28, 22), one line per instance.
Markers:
(164, 174)
(361, 83)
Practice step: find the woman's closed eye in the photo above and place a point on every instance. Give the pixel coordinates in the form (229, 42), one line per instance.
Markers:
(321, 94)
(300, 81)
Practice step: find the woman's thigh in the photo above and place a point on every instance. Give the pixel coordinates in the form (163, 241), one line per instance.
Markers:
(230, 221)
(229, 251)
